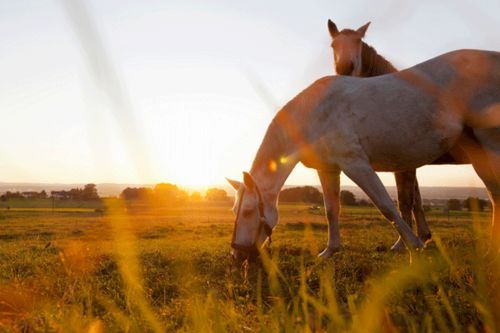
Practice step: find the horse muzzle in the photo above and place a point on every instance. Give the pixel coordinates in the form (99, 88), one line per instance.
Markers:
(346, 68)
(241, 253)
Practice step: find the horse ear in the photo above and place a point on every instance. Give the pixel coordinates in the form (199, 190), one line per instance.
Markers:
(362, 30)
(248, 180)
(234, 183)
(332, 28)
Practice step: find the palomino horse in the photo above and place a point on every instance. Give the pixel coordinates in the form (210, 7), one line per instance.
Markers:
(352, 56)
(393, 122)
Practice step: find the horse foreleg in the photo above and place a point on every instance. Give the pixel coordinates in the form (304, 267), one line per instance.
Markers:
(330, 182)
(363, 174)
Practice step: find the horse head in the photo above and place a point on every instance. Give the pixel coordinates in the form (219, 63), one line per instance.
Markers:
(252, 227)
(347, 49)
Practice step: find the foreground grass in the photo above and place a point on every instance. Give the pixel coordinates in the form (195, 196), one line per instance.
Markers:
(169, 269)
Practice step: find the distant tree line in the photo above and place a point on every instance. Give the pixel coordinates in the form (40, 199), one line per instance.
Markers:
(23, 195)
(87, 193)
(216, 194)
(166, 193)
(310, 194)
(473, 204)
(307, 194)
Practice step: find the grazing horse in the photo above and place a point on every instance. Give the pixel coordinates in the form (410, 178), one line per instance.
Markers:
(354, 57)
(393, 122)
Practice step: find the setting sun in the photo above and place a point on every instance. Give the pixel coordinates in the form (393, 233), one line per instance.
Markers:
(194, 148)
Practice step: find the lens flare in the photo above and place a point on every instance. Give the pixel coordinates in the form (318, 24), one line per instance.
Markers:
(273, 166)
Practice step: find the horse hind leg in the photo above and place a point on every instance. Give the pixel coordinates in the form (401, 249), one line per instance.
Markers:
(486, 162)
(486, 170)
(405, 183)
(410, 200)
(423, 230)
(484, 154)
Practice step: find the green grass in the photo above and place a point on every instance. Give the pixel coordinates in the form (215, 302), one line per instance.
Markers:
(169, 269)
(49, 204)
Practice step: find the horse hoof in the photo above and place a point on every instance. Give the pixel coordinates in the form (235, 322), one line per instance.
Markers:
(328, 252)
(398, 246)
(418, 244)
(425, 238)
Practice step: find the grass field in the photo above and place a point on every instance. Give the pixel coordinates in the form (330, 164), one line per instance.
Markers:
(169, 270)
(50, 204)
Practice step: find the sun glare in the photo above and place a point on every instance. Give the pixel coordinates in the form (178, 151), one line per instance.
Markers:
(197, 149)
(190, 161)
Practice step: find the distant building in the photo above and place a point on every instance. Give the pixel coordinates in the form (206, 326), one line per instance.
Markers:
(30, 194)
(60, 195)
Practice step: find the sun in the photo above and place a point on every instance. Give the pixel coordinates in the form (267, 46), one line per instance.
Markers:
(195, 150)
(191, 172)
(188, 161)
(199, 139)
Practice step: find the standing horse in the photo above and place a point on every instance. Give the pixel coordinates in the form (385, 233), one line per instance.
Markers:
(393, 122)
(354, 57)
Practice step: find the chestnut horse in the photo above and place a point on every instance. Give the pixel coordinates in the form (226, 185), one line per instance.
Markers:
(352, 56)
(393, 122)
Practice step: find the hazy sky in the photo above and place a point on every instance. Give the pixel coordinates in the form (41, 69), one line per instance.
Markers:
(203, 78)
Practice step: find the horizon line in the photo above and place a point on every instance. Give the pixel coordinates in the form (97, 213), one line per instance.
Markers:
(198, 186)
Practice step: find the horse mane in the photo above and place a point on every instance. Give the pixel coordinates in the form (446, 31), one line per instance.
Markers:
(373, 64)
(284, 135)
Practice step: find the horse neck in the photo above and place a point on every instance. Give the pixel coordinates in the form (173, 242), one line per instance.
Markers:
(373, 64)
(273, 163)
(285, 142)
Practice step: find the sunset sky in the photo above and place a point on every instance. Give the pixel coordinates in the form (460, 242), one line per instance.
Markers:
(201, 80)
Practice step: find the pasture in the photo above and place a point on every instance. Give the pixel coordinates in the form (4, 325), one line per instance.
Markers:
(168, 269)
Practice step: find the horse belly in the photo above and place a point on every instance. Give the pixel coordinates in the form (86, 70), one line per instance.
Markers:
(410, 144)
